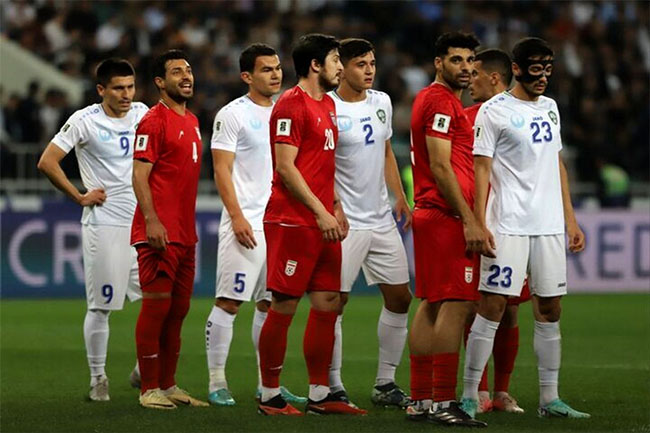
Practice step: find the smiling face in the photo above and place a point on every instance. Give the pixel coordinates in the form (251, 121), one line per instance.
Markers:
(178, 82)
(118, 94)
(359, 72)
(456, 67)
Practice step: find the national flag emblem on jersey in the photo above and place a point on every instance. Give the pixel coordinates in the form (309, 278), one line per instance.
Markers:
(441, 123)
(552, 116)
(284, 127)
(141, 142)
(469, 274)
(290, 268)
(381, 114)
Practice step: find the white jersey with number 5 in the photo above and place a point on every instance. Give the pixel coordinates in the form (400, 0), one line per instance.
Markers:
(104, 148)
(242, 127)
(364, 127)
(523, 140)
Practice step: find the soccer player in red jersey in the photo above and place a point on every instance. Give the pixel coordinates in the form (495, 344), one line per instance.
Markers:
(444, 227)
(492, 75)
(166, 166)
(304, 224)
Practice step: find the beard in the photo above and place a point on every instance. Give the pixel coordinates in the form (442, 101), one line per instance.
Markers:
(176, 96)
(452, 81)
(326, 84)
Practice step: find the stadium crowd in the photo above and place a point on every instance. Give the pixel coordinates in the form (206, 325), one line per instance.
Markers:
(601, 77)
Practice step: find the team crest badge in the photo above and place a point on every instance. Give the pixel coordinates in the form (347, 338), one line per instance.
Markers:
(552, 116)
(290, 268)
(382, 115)
(469, 274)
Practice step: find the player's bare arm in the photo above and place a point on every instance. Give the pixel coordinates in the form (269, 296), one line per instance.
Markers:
(50, 165)
(156, 232)
(482, 170)
(285, 155)
(222, 163)
(394, 182)
(439, 151)
(574, 233)
(340, 216)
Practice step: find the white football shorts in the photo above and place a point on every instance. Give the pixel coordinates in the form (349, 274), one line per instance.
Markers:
(241, 273)
(379, 252)
(542, 258)
(110, 266)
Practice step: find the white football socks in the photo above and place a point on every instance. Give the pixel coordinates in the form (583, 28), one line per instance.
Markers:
(336, 384)
(258, 321)
(96, 338)
(391, 331)
(547, 342)
(477, 354)
(218, 335)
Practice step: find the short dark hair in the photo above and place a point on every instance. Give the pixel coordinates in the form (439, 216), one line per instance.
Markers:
(113, 67)
(530, 47)
(248, 57)
(454, 40)
(160, 61)
(353, 47)
(494, 60)
(314, 46)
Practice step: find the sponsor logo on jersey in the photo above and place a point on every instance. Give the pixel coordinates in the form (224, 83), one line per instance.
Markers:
(65, 127)
(344, 123)
(552, 116)
(290, 268)
(517, 120)
(441, 123)
(141, 142)
(561, 285)
(284, 127)
(469, 274)
(104, 134)
(381, 114)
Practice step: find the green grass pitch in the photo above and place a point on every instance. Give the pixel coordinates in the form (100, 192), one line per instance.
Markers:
(44, 377)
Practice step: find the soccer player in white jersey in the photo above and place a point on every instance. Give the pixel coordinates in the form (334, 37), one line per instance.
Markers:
(516, 151)
(365, 164)
(241, 156)
(102, 136)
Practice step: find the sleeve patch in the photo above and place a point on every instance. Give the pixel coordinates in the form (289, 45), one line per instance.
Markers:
(284, 127)
(141, 142)
(478, 132)
(441, 123)
(217, 126)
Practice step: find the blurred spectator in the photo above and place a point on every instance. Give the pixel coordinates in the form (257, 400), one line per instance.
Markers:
(28, 115)
(613, 185)
(601, 76)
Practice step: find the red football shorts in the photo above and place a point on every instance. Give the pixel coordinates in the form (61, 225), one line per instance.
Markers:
(525, 295)
(177, 262)
(299, 260)
(443, 271)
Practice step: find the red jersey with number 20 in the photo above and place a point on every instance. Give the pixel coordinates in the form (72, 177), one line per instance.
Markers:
(172, 143)
(310, 125)
(437, 112)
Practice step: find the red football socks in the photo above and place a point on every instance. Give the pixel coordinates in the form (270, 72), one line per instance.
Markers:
(506, 346)
(147, 333)
(272, 347)
(318, 344)
(170, 340)
(445, 372)
(421, 377)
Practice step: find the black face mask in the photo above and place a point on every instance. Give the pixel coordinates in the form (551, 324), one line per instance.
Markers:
(525, 66)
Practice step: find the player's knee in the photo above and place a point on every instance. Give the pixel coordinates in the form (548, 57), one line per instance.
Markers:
(230, 306)
(263, 306)
(179, 308)
(550, 309)
(398, 301)
(492, 306)
(509, 319)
